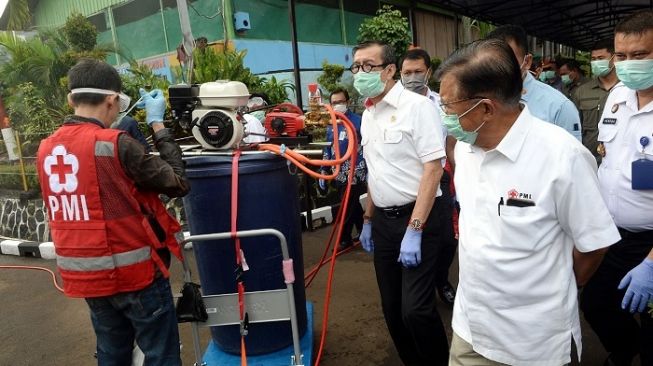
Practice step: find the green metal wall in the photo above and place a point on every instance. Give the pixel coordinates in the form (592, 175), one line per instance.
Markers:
(142, 32)
(53, 13)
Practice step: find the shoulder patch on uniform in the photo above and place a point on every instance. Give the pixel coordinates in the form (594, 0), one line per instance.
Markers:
(609, 121)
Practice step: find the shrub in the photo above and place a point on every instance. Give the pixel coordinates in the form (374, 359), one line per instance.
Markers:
(10, 177)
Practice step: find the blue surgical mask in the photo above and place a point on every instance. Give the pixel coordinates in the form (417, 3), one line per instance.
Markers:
(600, 67)
(369, 84)
(452, 123)
(635, 74)
(547, 75)
(566, 79)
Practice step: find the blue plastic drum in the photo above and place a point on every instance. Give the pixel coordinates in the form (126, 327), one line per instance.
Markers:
(267, 198)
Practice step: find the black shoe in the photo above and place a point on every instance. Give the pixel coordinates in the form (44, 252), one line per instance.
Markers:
(344, 245)
(447, 294)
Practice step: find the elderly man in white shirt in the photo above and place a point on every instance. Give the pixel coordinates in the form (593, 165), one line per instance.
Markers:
(533, 225)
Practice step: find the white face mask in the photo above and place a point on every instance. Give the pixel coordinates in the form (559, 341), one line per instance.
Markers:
(342, 108)
(124, 99)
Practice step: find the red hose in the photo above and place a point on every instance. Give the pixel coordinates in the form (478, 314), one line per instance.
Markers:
(54, 277)
(327, 295)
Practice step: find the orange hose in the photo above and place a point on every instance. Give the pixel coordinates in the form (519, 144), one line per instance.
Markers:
(327, 295)
(54, 277)
(301, 161)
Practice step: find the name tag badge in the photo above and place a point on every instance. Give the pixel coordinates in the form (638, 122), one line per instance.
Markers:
(343, 135)
(642, 170)
(609, 121)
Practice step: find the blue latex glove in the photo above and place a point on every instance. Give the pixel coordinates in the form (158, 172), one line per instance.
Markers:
(154, 103)
(640, 287)
(322, 184)
(410, 254)
(366, 237)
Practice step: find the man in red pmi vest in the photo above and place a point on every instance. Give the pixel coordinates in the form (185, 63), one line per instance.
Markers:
(113, 236)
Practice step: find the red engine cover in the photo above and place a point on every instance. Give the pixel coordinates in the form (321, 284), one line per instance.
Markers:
(285, 124)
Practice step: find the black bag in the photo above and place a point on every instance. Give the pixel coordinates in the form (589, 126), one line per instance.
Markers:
(190, 306)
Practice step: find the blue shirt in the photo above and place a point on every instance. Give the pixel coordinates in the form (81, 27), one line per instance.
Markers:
(550, 105)
(360, 174)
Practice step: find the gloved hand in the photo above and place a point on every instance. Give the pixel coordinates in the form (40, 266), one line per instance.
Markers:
(640, 287)
(322, 184)
(366, 237)
(410, 254)
(154, 103)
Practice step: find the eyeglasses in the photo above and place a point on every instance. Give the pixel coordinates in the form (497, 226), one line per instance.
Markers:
(443, 105)
(354, 68)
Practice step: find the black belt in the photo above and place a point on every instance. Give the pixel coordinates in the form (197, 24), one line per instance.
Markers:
(395, 212)
(641, 235)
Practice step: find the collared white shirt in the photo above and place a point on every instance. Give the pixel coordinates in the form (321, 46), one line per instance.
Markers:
(516, 301)
(550, 105)
(435, 98)
(399, 134)
(621, 127)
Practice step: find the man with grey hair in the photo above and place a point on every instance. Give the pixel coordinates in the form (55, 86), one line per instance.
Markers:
(525, 245)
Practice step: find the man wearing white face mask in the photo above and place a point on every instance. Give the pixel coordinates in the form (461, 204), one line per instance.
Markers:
(528, 236)
(544, 101)
(339, 100)
(623, 284)
(590, 97)
(402, 145)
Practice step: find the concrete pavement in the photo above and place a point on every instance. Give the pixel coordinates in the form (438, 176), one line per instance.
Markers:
(39, 326)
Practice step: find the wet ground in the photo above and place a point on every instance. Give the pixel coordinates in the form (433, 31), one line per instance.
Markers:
(39, 326)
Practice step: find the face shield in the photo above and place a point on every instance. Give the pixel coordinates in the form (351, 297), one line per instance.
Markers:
(124, 100)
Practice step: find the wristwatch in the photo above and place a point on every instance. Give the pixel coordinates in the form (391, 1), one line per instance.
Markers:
(416, 224)
(367, 218)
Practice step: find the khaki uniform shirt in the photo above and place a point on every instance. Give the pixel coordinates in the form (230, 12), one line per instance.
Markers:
(589, 99)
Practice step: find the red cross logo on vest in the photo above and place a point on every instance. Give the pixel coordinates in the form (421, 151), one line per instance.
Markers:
(61, 168)
(513, 193)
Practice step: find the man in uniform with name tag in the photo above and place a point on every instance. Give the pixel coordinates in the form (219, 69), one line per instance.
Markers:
(623, 284)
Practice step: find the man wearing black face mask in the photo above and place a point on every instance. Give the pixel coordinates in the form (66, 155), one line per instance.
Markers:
(415, 75)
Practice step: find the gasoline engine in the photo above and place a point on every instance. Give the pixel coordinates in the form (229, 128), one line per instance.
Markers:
(211, 112)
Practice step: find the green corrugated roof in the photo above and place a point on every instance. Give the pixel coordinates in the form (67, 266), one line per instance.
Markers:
(53, 13)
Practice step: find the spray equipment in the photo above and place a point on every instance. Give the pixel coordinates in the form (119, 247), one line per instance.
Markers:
(211, 112)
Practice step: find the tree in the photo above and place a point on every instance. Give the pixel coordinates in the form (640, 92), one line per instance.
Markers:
(331, 76)
(19, 15)
(80, 33)
(388, 26)
(34, 72)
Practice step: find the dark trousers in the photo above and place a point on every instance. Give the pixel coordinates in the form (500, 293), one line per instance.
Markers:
(408, 295)
(449, 242)
(618, 330)
(354, 214)
(147, 316)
